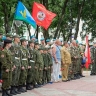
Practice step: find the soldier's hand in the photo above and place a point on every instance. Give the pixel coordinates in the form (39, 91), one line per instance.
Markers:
(7, 70)
(45, 68)
(14, 66)
(29, 67)
(22, 67)
(35, 67)
(40, 69)
(93, 61)
(56, 62)
(49, 67)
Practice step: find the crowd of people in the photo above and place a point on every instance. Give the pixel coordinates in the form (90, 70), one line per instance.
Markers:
(27, 64)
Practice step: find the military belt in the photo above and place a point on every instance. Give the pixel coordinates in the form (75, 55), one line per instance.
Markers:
(32, 61)
(17, 58)
(24, 59)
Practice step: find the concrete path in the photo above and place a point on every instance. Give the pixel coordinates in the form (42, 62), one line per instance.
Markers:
(85, 86)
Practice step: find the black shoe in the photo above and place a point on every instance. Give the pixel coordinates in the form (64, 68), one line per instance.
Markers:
(12, 91)
(16, 90)
(4, 93)
(64, 80)
(20, 89)
(36, 86)
(8, 94)
(28, 87)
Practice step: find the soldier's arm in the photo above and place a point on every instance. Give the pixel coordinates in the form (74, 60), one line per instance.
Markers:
(4, 60)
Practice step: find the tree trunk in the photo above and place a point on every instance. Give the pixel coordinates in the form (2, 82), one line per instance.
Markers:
(45, 33)
(60, 19)
(78, 19)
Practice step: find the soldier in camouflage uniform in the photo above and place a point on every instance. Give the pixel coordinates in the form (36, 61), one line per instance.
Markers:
(93, 58)
(78, 60)
(37, 64)
(46, 67)
(50, 64)
(41, 66)
(74, 57)
(6, 60)
(30, 75)
(15, 49)
(24, 65)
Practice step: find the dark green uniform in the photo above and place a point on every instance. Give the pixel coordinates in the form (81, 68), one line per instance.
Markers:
(36, 67)
(24, 63)
(15, 49)
(6, 60)
(93, 58)
(30, 75)
(50, 64)
(73, 53)
(46, 68)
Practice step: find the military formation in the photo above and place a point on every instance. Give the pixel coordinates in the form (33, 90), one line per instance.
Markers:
(27, 64)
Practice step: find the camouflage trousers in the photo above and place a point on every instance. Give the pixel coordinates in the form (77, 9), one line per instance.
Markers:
(7, 79)
(36, 76)
(40, 76)
(16, 76)
(93, 70)
(74, 68)
(79, 65)
(46, 75)
(30, 76)
(23, 77)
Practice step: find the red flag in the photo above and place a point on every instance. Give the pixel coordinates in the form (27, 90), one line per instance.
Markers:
(87, 54)
(42, 16)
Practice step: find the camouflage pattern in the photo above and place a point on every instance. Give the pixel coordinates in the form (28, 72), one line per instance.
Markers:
(16, 54)
(73, 53)
(6, 60)
(30, 74)
(93, 58)
(36, 67)
(50, 66)
(24, 63)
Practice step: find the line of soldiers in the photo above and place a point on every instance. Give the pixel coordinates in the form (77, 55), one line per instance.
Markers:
(24, 67)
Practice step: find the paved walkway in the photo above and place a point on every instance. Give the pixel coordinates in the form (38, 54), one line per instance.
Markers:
(81, 87)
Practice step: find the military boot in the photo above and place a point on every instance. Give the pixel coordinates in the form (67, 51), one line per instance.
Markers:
(28, 87)
(16, 90)
(20, 89)
(8, 94)
(12, 91)
(4, 93)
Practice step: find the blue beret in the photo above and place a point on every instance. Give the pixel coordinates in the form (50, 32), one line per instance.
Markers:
(54, 39)
(4, 38)
(77, 41)
(32, 36)
(36, 40)
(42, 39)
(48, 40)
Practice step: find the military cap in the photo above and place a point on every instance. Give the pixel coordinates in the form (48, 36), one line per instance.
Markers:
(32, 37)
(77, 42)
(41, 48)
(45, 48)
(42, 39)
(23, 39)
(36, 40)
(16, 36)
(48, 40)
(31, 41)
(4, 38)
(36, 43)
(7, 41)
(54, 39)
(9, 35)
